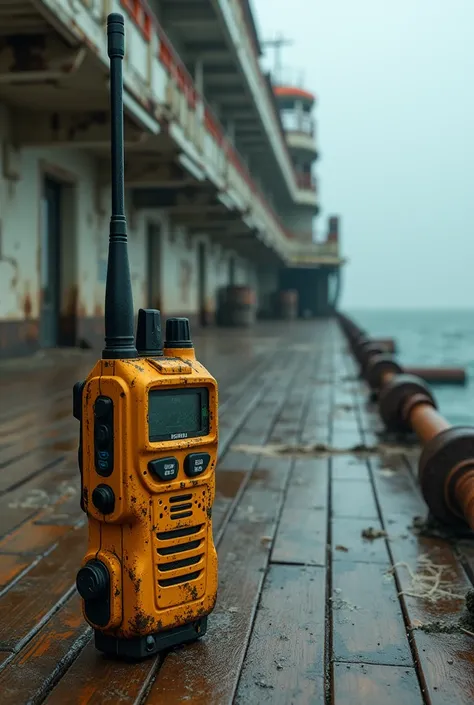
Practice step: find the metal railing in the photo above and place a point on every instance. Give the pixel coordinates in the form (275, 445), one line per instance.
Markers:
(156, 77)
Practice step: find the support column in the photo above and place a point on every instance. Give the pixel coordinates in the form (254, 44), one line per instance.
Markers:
(322, 293)
(334, 289)
(199, 76)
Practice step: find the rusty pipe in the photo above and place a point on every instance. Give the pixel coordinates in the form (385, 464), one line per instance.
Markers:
(464, 493)
(406, 403)
(440, 375)
(426, 421)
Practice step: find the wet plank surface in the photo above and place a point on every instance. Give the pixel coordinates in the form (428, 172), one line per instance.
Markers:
(320, 565)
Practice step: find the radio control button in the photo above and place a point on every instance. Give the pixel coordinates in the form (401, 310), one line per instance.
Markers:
(196, 463)
(103, 499)
(103, 407)
(92, 580)
(165, 469)
(102, 435)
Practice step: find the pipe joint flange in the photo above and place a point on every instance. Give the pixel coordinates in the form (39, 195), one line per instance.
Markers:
(358, 337)
(357, 342)
(442, 463)
(367, 350)
(370, 351)
(394, 397)
(377, 366)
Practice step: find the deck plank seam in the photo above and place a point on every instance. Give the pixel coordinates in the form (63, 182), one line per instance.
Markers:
(309, 397)
(63, 664)
(260, 366)
(38, 557)
(264, 573)
(375, 663)
(328, 612)
(411, 641)
(277, 414)
(19, 411)
(50, 464)
(44, 620)
(298, 564)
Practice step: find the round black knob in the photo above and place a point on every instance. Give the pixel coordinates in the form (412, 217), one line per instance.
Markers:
(103, 499)
(92, 581)
(178, 333)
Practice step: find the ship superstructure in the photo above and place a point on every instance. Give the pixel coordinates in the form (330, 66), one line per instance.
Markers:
(219, 183)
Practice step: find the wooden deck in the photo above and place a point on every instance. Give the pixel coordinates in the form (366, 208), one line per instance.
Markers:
(309, 612)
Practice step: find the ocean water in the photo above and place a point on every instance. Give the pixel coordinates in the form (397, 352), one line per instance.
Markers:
(425, 338)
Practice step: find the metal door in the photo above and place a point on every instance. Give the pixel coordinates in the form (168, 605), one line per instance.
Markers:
(50, 264)
(154, 266)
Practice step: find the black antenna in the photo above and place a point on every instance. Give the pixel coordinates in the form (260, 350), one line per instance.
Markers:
(119, 338)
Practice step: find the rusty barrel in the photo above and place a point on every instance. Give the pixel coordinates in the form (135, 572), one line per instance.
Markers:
(236, 306)
(288, 301)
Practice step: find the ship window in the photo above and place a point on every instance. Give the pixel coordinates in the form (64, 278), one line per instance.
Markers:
(289, 119)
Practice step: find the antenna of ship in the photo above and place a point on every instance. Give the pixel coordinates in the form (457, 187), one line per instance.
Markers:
(119, 322)
(278, 43)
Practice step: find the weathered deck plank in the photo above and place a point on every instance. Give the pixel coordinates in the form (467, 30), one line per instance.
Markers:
(367, 619)
(375, 685)
(301, 536)
(289, 534)
(285, 659)
(35, 669)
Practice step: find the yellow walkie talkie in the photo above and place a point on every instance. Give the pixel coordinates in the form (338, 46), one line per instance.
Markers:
(147, 455)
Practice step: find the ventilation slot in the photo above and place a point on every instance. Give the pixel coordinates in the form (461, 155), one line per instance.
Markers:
(182, 563)
(178, 533)
(181, 579)
(182, 515)
(169, 550)
(180, 498)
(181, 507)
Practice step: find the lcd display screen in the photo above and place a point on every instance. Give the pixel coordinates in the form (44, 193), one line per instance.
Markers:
(177, 413)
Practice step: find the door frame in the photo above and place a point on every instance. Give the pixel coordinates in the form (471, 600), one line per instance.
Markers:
(154, 294)
(67, 314)
(201, 254)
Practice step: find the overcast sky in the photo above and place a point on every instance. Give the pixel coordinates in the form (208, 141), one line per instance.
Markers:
(395, 114)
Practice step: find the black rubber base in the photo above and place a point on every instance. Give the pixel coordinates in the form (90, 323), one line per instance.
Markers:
(143, 647)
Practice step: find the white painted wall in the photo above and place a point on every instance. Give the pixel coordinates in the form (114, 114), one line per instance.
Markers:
(86, 226)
